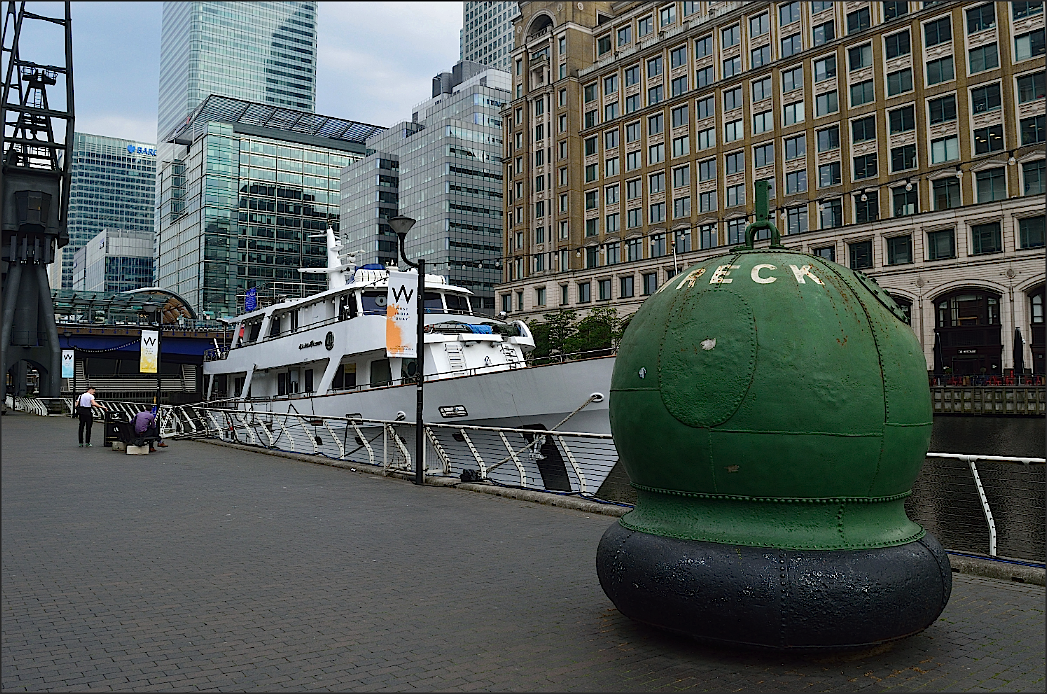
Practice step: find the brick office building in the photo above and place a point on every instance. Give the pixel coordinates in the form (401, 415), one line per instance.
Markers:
(902, 139)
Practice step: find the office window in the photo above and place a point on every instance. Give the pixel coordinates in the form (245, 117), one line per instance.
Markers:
(678, 57)
(985, 238)
(703, 77)
(679, 116)
(654, 66)
(826, 103)
(938, 31)
(892, 9)
(825, 69)
(610, 84)
(681, 146)
(902, 119)
(644, 26)
(732, 67)
(632, 161)
(763, 155)
(562, 97)
(632, 132)
(632, 103)
(539, 262)
(896, 45)
(791, 45)
(762, 89)
(734, 130)
(945, 149)
(824, 33)
(940, 70)
(612, 224)
(795, 182)
(865, 166)
(706, 107)
(859, 57)
(590, 145)
(707, 170)
(707, 236)
(991, 185)
(650, 283)
(861, 255)
(539, 296)
(656, 153)
(1021, 10)
(759, 25)
(1035, 181)
(981, 18)
(830, 214)
(788, 13)
(589, 92)
(613, 253)
(792, 79)
(603, 44)
(762, 122)
(732, 99)
(634, 218)
(654, 95)
(679, 85)
(632, 75)
(563, 177)
(658, 248)
(736, 231)
(866, 207)
(859, 20)
(946, 193)
(985, 98)
(821, 5)
(735, 195)
(983, 58)
(656, 213)
(611, 167)
(942, 109)
(903, 158)
(863, 129)
(610, 139)
(796, 220)
(760, 56)
(706, 139)
(829, 174)
(988, 139)
(862, 93)
(941, 245)
(591, 173)
(564, 290)
(625, 287)
(610, 111)
(827, 252)
(1031, 232)
(1032, 130)
(655, 124)
(731, 35)
(507, 303)
(905, 201)
(899, 250)
(829, 139)
(795, 147)
(682, 241)
(610, 195)
(899, 82)
(703, 46)
(681, 176)
(592, 227)
(681, 207)
(793, 113)
(519, 301)
(625, 36)
(707, 201)
(584, 292)
(1030, 87)
(656, 183)
(667, 15)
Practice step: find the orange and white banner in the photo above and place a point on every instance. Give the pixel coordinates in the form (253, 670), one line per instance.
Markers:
(401, 328)
(150, 352)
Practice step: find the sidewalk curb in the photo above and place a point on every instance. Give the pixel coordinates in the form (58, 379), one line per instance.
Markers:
(986, 568)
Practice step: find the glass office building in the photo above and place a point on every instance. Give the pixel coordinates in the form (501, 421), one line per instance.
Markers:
(444, 170)
(256, 51)
(114, 261)
(487, 32)
(113, 186)
(244, 199)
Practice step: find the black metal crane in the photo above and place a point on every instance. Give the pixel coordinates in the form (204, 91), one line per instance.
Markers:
(34, 193)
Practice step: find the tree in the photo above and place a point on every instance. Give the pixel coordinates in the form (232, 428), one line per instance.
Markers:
(553, 335)
(600, 330)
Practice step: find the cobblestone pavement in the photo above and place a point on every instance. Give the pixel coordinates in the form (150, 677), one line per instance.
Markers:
(202, 567)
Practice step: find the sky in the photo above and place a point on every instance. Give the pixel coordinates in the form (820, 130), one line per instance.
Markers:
(376, 60)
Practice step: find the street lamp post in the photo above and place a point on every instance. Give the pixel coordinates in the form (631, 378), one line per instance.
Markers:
(401, 225)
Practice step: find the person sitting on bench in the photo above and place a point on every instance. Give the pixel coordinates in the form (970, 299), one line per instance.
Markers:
(145, 427)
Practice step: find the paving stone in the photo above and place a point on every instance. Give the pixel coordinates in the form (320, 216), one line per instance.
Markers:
(203, 567)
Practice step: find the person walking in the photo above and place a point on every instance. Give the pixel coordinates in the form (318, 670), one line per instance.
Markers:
(84, 405)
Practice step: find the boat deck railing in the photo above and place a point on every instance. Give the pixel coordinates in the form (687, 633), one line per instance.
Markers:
(986, 504)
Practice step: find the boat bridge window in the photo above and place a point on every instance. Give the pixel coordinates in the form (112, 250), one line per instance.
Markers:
(373, 303)
(456, 303)
(253, 329)
(346, 306)
(433, 303)
(274, 326)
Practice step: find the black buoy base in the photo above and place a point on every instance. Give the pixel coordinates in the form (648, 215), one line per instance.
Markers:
(775, 598)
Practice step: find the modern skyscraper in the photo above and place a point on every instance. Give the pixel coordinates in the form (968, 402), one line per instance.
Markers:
(113, 186)
(901, 139)
(487, 32)
(244, 199)
(263, 52)
(444, 170)
(114, 261)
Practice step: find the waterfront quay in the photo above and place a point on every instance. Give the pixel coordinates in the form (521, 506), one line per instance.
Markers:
(205, 567)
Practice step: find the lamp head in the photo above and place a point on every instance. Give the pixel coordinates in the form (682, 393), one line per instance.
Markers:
(908, 186)
(401, 225)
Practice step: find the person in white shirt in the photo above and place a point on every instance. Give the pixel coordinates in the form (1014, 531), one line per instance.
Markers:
(83, 408)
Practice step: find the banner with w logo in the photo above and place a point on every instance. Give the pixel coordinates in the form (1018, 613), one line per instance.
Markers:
(150, 355)
(400, 315)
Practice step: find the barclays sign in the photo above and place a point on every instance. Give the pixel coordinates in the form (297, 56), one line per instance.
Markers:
(133, 149)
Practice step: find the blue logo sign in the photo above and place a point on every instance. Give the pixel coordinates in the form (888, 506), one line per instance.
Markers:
(132, 149)
(251, 300)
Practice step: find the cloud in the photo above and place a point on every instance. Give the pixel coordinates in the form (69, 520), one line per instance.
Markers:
(376, 60)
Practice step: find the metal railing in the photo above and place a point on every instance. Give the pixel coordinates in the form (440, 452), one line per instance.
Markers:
(952, 491)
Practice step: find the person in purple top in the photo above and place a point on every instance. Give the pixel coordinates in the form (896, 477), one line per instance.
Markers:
(145, 424)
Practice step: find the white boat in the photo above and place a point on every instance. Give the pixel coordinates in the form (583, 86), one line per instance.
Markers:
(326, 355)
